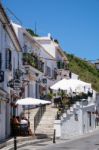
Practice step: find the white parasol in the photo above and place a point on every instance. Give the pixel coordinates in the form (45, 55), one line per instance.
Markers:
(71, 85)
(31, 101)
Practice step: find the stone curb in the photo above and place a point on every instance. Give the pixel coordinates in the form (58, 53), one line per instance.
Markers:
(22, 142)
(28, 143)
(11, 141)
(73, 138)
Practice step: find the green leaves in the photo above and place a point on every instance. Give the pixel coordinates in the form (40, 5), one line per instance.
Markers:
(86, 71)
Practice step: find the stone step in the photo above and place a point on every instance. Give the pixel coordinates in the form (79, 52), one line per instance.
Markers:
(71, 109)
(46, 125)
(42, 126)
(75, 106)
(49, 134)
(68, 111)
(64, 115)
(46, 119)
(45, 130)
(78, 103)
(32, 113)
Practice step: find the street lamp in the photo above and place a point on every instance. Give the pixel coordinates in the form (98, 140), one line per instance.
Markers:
(16, 84)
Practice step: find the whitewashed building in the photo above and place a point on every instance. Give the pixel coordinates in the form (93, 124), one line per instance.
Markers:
(40, 64)
(9, 48)
(53, 48)
(79, 119)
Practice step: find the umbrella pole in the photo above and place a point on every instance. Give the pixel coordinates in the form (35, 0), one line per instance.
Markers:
(15, 139)
(28, 115)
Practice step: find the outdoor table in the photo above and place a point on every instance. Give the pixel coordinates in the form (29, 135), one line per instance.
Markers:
(24, 129)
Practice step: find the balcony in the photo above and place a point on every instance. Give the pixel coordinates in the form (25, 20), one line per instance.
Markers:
(34, 61)
(62, 70)
(62, 65)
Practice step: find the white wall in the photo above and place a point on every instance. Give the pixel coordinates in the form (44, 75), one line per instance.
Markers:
(87, 126)
(6, 42)
(48, 45)
(68, 126)
(33, 46)
(18, 31)
(32, 89)
(58, 56)
(74, 76)
(48, 61)
(97, 102)
(3, 120)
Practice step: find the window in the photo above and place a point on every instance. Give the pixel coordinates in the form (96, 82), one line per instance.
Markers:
(54, 73)
(70, 74)
(25, 48)
(60, 65)
(76, 117)
(41, 66)
(89, 116)
(0, 107)
(48, 71)
(8, 57)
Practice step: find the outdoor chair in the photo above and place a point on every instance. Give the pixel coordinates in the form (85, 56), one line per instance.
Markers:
(24, 129)
(15, 129)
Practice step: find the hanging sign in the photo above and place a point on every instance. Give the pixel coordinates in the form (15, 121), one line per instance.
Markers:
(17, 84)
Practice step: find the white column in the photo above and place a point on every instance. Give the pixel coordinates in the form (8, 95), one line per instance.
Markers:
(57, 127)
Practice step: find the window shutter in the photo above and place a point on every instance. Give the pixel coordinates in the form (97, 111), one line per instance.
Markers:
(0, 60)
(8, 58)
(48, 71)
(45, 70)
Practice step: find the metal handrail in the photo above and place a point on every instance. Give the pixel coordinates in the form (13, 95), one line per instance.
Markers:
(38, 116)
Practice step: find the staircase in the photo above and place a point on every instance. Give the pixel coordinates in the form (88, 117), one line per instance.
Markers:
(32, 113)
(75, 107)
(46, 125)
(71, 120)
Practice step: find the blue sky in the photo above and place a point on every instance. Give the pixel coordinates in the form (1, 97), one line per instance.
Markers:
(75, 23)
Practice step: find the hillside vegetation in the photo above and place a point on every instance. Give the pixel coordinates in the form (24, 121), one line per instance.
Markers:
(86, 71)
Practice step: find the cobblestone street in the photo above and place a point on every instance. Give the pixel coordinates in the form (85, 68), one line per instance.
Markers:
(87, 142)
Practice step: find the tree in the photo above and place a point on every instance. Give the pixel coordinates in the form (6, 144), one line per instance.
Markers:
(32, 32)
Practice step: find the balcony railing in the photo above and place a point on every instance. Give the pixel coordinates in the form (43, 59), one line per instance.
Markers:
(33, 60)
(62, 65)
